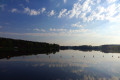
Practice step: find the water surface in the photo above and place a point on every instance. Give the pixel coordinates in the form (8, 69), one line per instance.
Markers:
(63, 65)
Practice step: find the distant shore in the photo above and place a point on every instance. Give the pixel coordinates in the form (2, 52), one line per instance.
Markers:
(102, 48)
(14, 47)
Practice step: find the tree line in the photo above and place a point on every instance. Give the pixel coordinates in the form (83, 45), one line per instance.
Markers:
(7, 44)
(102, 48)
(16, 47)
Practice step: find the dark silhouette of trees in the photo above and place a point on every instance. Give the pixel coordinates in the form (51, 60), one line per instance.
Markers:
(110, 48)
(102, 48)
(15, 47)
(82, 48)
(7, 44)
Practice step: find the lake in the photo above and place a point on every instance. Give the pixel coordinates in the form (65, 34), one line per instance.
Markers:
(63, 65)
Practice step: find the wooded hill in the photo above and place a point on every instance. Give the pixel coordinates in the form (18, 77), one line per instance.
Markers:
(7, 44)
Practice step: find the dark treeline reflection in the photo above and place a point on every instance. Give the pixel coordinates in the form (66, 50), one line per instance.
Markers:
(102, 48)
(16, 53)
(12, 47)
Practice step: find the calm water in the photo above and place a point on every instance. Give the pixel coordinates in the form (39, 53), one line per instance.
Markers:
(64, 65)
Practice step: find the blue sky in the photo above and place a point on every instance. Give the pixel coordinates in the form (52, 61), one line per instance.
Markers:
(65, 22)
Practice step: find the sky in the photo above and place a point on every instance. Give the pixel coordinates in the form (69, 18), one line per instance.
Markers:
(64, 22)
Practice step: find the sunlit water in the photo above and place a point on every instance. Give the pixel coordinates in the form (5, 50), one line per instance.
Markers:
(64, 65)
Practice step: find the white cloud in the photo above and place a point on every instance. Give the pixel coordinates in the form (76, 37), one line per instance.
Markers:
(69, 31)
(78, 30)
(62, 13)
(98, 1)
(31, 11)
(83, 16)
(53, 29)
(111, 1)
(42, 30)
(111, 10)
(91, 10)
(86, 5)
(77, 25)
(64, 1)
(106, 13)
(14, 10)
(51, 13)
(36, 29)
(34, 12)
(76, 10)
(43, 10)
(101, 9)
(79, 8)
(2, 6)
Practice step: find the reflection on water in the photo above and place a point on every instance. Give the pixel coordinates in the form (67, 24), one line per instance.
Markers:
(64, 65)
